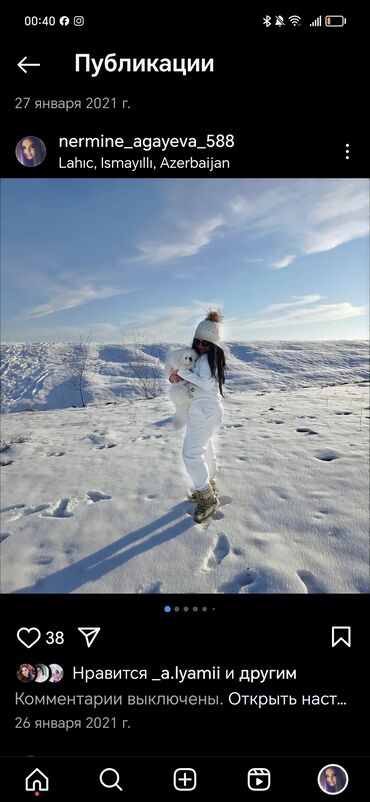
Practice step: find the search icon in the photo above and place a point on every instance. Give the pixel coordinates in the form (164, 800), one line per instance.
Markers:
(110, 784)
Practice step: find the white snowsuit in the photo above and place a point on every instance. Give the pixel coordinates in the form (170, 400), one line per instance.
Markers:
(204, 417)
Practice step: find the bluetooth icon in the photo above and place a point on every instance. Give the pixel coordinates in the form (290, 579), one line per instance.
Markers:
(267, 21)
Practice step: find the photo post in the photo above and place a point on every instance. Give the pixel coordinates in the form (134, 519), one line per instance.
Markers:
(184, 409)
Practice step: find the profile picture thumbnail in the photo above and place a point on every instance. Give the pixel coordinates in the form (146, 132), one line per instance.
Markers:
(56, 672)
(42, 672)
(333, 779)
(26, 672)
(30, 151)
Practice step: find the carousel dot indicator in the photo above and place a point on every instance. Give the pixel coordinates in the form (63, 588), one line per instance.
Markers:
(167, 608)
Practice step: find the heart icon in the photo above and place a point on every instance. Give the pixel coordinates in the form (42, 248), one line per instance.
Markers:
(28, 637)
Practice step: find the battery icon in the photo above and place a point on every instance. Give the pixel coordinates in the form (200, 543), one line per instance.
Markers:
(335, 21)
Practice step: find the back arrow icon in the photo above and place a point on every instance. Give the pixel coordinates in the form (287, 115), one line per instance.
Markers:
(23, 64)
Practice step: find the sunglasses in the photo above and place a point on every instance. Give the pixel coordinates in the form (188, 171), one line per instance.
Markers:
(202, 342)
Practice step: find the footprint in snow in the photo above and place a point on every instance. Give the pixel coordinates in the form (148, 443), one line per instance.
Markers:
(43, 560)
(5, 462)
(310, 582)
(342, 413)
(225, 500)
(20, 510)
(327, 456)
(4, 535)
(55, 453)
(59, 509)
(32, 510)
(218, 554)
(305, 431)
(156, 587)
(99, 441)
(96, 495)
(282, 494)
(239, 584)
(320, 514)
(13, 508)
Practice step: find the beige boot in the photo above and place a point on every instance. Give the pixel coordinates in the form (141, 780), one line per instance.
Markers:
(193, 495)
(207, 503)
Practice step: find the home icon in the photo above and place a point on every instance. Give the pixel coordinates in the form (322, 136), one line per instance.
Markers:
(37, 781)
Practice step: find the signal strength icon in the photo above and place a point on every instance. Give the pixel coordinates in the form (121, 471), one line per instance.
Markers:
(316, 23)
(295, 20)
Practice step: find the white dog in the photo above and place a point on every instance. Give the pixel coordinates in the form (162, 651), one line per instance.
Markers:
(179, 392)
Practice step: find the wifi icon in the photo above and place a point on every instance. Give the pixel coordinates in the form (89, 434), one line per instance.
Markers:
(295, 20)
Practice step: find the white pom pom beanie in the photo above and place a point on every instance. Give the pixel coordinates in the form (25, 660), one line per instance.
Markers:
(210, 328)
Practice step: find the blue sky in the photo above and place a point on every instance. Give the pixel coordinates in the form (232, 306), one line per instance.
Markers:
(284, 259)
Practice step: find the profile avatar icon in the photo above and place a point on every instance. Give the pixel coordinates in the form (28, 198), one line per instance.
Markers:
(30, 151)
(56, 672)
(332, 779)
(26, 672)
(42, 672)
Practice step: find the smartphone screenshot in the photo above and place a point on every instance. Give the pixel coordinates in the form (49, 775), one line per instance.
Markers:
(184, 403)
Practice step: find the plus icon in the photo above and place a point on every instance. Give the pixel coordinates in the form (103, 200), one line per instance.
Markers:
(184, 779)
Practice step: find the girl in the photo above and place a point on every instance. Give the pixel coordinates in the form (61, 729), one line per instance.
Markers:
(204, 414)
(30, 151)
(333, 779)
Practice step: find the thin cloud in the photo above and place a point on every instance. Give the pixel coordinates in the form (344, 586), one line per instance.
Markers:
(293, 217)
(163, 322)
(287, 260)
(341, 198)
(69, 299)
(180, 275)
(319, 314)
(187, 243)
(331, 237)
(300, 300)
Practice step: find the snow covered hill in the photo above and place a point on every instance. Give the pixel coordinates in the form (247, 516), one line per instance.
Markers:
(33, 374)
